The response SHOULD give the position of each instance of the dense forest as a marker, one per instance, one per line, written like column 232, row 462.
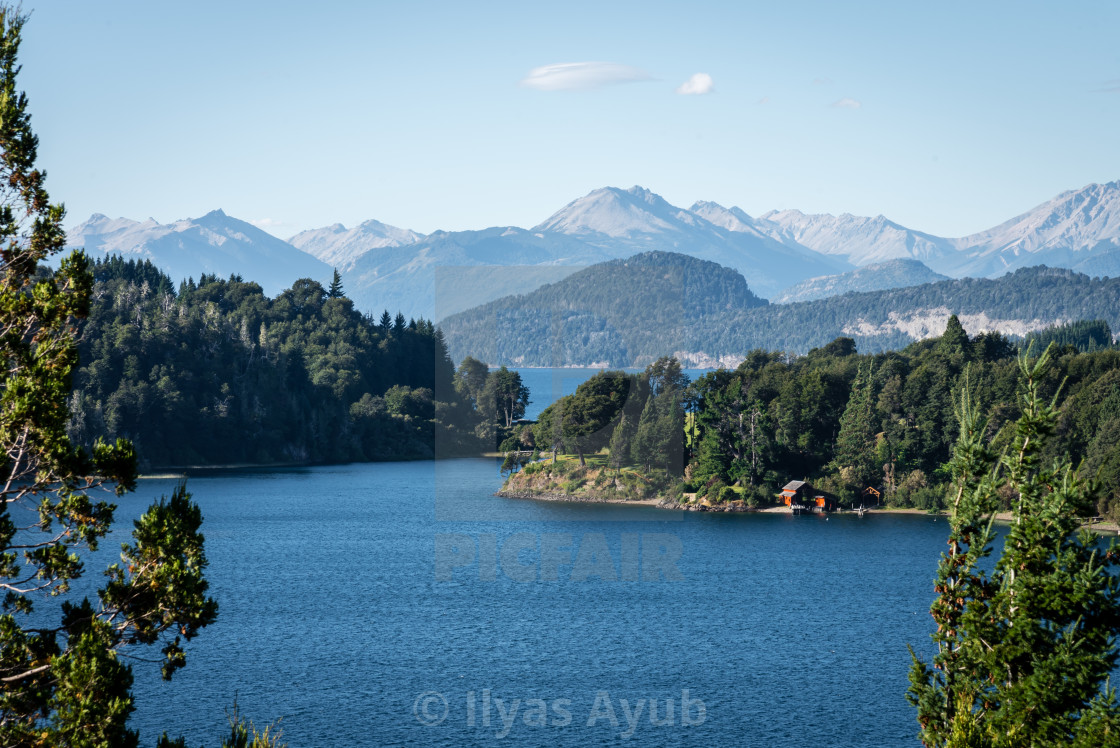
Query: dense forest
column 627, row 313
column 217, row 373
column 842, row 420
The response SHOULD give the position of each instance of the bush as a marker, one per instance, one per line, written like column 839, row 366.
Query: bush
column 711, row 491
column 930, row 498
column 757, row 496
column 726, row 494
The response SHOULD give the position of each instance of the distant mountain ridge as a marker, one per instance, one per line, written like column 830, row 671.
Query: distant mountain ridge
column 341, row 247
column 449, row 271
column 629, row 312
column 1078, row 229
column 879, row 276
column 620, row 222
column 860, row 240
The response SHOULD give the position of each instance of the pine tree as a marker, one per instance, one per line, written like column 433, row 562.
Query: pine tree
column 955, row 340
column 335, row 290
column 1025, row 651
column 65, row 684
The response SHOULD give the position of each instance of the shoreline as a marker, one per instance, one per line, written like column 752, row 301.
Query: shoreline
column 1102, row 528
column 575, row 499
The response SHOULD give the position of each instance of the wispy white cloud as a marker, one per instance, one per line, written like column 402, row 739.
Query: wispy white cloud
column 762, row 101
column 1112, row 86
column 847, row 103
column 822, row 82
column 582, row 76
column 700, row 83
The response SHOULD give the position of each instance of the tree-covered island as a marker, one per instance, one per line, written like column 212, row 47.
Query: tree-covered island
column 859, row 429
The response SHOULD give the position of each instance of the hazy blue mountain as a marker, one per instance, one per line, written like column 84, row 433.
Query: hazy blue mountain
column 878, row 276
column 213, row 244
column 449, row 271
column 423, row 279
column 629, row 312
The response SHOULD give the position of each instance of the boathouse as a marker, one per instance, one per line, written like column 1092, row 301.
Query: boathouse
column 801, row 497
column 795, row 492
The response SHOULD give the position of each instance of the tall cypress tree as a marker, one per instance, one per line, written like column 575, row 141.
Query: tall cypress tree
column 854, row 456
column 620, row 443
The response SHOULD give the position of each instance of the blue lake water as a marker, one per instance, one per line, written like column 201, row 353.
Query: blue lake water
column 352, row 612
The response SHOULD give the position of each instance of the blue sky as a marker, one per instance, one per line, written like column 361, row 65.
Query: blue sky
column 947, row 117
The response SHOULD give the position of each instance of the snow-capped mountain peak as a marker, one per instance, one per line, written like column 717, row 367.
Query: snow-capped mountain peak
column 732, row 219
column 341, row 247
column 215, row 243
column 862, row 240
column 617, row 213
column 1080, row 220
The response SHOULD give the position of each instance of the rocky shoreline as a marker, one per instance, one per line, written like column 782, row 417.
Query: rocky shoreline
column 583, row 498
column 737, row 507
column 658, row 503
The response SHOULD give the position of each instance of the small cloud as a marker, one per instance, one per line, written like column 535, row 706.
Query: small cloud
column 847, row 103
column 582, row 76
column 763, row 101
column 700, row 83
column 1112, row 86
column 822, row 82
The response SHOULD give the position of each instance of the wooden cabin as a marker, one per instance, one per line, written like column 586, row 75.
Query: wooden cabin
column 872, row 494
column 803, row 498
column 794, row 492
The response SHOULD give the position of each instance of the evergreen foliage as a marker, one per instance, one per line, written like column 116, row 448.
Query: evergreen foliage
column 1025, row 650
column 639, row 417
column 846, row 421
column 64, row 682
column 302, row 377
column 335, row 289
column 1087, row 335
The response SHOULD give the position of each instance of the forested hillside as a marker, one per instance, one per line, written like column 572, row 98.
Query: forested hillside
column 615, row 313
column 842, row 420
column 626, row 313
column 846, row 421
column 217, row 373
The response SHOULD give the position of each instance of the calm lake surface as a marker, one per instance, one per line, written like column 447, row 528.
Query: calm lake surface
column 350, row 610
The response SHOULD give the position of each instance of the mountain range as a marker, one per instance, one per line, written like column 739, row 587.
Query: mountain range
column 215, row 244
column 435, row 275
